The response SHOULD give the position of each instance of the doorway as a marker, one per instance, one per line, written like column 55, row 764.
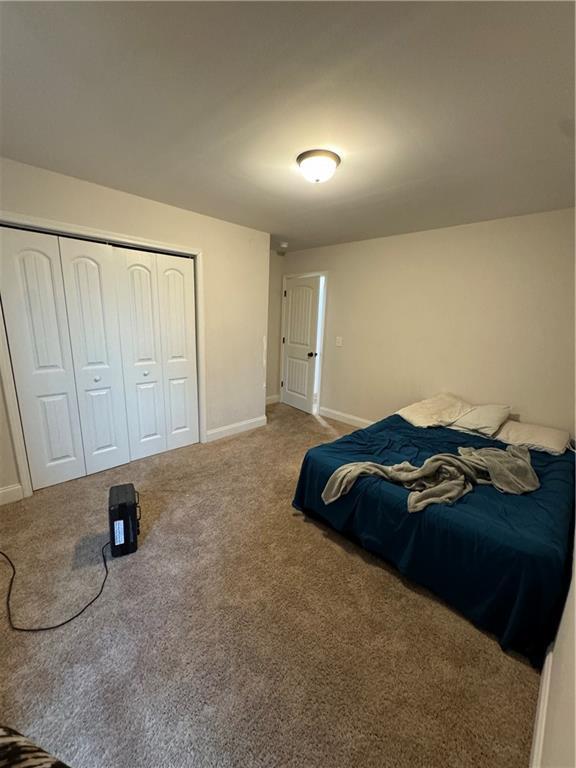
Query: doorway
column 303, row 310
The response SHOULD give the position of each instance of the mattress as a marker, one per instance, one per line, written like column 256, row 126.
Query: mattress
column 503, row 561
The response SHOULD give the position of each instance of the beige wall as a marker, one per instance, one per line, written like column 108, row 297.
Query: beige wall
column 559, row 746
column 482, row 310
column 235, row 262
column 274, row 324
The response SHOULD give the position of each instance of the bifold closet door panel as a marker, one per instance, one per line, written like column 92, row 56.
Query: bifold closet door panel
column 32, row 292
column 90, row 281
column 141, row 351
column 178, row 329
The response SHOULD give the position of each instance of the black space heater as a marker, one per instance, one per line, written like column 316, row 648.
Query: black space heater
column 124, row 516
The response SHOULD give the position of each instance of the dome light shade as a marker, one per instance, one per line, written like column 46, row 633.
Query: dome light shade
column 318, row 165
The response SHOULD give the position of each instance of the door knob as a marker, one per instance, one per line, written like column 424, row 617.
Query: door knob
column 145, row 373
column 96, row 379
column 310, row 354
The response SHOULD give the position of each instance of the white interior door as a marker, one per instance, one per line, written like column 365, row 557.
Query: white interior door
column 90, row 281
column 141, row 351
column 178, row 331
column 32, row 292
column 300, row 342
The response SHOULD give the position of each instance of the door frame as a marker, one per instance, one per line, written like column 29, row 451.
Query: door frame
column 50, row 227
column 13, row 411
column 318, row 361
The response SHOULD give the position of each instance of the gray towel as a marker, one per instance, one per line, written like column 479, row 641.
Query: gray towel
column 446, row 477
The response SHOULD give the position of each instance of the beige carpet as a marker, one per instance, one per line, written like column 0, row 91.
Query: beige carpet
column 240, row 634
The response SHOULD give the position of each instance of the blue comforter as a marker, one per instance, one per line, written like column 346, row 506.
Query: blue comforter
column 503, row 561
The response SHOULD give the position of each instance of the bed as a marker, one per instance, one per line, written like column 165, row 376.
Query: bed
column 503, row 561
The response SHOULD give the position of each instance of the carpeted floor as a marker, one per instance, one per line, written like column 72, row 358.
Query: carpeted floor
column 240, row 634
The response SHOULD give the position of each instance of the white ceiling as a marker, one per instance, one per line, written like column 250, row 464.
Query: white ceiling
column 444, row 113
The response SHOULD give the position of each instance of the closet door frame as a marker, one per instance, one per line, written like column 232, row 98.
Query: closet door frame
column 13, row 413
column 52, row 227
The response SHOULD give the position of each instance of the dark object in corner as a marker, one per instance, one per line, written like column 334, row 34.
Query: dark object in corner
column 18, row 750
column 124, row 515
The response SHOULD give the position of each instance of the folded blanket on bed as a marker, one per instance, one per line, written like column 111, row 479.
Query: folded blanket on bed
column 446, row 477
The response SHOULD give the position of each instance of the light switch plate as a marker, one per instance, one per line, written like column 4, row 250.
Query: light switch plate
column 339, row 341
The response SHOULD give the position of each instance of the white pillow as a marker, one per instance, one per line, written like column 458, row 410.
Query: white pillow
column 437, row 411
column 554, row 441
column 486, row 419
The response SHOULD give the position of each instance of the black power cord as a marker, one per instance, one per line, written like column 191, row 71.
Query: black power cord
column 62, row 623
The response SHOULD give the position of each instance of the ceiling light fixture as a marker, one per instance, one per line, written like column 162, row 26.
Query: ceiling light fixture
column 318, row 165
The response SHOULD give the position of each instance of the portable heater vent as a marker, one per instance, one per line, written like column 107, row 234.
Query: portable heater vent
column 124, row 516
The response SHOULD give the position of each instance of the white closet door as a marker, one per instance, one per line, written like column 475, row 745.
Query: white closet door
column 178, row 328
column 90, row 280
column 141, row 351
column 35, row 313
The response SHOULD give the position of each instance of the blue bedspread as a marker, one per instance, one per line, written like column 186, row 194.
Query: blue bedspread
column 501, row 560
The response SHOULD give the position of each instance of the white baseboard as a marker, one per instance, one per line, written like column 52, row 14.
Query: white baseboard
column 11, row 493
column 346, row 418
column 271, row 399
column 541, row 711
column 235, row 429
